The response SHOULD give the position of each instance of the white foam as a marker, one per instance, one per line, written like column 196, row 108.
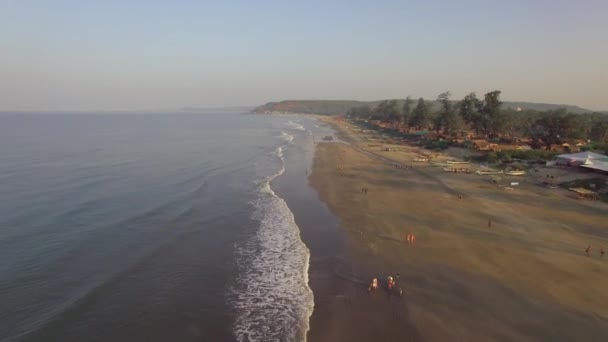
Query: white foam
column 287, row 137
column 271, row 297
column 295, row 125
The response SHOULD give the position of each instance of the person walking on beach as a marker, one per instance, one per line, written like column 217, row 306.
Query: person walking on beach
column 587, row 250
column 602, row 251
column 489, row 223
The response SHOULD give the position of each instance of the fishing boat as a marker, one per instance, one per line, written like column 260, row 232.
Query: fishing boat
column 515, row 173
column 457, row 169
column 488, row 172
column 421, row 160
column 457, row 162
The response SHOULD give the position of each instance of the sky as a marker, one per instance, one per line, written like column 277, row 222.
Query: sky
column 146, row 55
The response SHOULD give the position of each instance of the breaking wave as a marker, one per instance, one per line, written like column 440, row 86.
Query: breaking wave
column 295, row 125
column 286, row 137
column 272, row 299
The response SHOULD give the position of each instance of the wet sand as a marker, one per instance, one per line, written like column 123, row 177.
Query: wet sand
column 525, row 278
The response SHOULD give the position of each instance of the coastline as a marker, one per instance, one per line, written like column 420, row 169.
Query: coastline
column 318, row 227
column 519, row 279
column 336, row 280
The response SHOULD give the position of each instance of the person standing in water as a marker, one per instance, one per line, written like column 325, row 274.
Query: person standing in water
column 390, row 282
column 374, row 285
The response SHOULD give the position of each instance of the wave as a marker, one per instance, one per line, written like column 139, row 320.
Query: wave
column 287, row 137
column 104, row 283
column 271, row 298
column 295, row 125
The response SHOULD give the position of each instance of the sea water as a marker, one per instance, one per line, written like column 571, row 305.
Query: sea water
column 150, row 227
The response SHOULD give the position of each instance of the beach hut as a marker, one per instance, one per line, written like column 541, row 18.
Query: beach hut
column 589, row 160
column 480, row 144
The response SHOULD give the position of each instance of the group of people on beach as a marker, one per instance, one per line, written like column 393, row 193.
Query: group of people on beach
column 602, row 251
column 391, row 284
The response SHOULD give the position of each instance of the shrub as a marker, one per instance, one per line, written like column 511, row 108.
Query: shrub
column 509, row 155
column 435, row 144
column 492, row 157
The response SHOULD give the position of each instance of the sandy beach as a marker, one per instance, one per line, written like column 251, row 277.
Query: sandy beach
column 496, row 265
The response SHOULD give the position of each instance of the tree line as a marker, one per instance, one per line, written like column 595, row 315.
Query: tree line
column 486, row 117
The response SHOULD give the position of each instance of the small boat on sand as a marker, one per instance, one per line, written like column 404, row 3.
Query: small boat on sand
column 421, row 160
column 456, row 162
column 488, row 172
column 515, row 173
column 456, row 169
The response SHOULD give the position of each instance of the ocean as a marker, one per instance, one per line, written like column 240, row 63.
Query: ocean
column 154, row 227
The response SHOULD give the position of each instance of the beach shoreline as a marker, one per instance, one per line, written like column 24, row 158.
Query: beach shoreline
column 495, row 265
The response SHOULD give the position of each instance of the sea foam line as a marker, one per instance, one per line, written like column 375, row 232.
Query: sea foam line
column 272, row 299
column 295, row 125
column 287, row 137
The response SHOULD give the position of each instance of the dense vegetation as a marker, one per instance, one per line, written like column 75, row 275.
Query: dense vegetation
column 333, row 107
column 489, row 118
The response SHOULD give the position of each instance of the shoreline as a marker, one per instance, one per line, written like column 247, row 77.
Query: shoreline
column 517, row 280
column 318, row 227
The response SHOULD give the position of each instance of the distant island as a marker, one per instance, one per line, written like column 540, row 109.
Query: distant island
column 335, row 107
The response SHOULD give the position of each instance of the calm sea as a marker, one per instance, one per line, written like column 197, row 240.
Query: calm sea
column 155, row 227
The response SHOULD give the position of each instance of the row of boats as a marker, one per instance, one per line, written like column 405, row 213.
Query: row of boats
column 500, row 172
column 455, row 166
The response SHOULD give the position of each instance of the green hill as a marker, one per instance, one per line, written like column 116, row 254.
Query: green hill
column 328, row 107
column 334, row 107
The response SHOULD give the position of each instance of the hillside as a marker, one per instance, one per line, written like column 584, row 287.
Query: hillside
column 333, row 107
column 329, row 107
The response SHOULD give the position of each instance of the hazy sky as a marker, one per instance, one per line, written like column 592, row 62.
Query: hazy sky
column 92, row 55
